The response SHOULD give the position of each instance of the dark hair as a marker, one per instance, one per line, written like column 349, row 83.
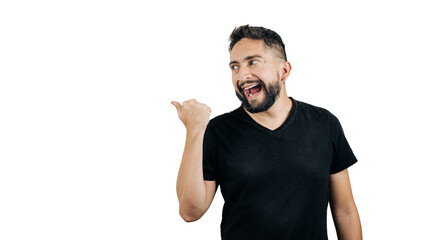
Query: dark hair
column 270, row 37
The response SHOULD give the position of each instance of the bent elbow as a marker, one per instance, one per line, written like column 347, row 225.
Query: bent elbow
column 190, row 214
column 190, row 218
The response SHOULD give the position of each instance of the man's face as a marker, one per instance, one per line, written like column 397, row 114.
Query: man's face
column 256, row 74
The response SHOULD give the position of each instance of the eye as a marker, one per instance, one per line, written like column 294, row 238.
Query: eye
column 252, row 62
column 234, row 67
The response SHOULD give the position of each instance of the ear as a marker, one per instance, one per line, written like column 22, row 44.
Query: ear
column 286, row 70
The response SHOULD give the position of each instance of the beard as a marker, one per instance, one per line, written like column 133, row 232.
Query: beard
column 271, row 93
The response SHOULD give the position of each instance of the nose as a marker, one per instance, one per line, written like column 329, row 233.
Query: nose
column 244, row 74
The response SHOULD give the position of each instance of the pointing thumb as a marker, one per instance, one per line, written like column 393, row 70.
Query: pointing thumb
column 177, row 106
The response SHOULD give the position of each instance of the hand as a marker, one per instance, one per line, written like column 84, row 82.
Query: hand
column 194, row 115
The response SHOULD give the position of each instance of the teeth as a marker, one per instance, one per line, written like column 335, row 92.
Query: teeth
column 246, row 88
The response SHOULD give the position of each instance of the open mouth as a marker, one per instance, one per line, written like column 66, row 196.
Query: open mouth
column 252, row 91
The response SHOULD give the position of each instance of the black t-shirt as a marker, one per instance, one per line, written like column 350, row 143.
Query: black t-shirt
column 275, row 183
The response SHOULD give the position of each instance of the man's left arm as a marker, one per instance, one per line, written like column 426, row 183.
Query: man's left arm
column 343, row 208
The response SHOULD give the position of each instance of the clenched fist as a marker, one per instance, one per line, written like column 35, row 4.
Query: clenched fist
column 194, row 115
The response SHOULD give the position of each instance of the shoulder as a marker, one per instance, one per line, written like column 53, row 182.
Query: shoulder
column 226, row 123
column 313, row 112
column 319, row 117
column 323, row 116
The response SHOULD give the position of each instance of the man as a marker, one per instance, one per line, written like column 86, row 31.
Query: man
column 278, row 160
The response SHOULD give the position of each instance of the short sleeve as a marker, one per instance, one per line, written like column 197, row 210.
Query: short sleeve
column 210, row 154
column 343, row 156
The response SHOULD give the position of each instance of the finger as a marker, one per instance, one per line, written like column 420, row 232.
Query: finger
column 189, row 102
column 177, row 106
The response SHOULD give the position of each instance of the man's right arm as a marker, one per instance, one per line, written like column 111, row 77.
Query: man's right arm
column 195, row 195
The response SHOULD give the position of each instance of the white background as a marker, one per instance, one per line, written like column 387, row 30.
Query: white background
column 90, row 145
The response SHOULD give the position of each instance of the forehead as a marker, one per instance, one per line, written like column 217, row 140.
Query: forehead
column 247, row 47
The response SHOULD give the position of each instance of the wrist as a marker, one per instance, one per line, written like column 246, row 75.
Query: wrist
column 196, row 131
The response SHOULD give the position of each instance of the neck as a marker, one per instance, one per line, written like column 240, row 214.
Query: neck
column 276, row 114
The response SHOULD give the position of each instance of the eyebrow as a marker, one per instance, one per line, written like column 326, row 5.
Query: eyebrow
column 246, row 58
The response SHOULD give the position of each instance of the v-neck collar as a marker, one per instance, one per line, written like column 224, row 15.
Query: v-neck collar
column 285, row 123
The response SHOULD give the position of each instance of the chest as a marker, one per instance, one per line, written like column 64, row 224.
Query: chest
column 252, row 159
